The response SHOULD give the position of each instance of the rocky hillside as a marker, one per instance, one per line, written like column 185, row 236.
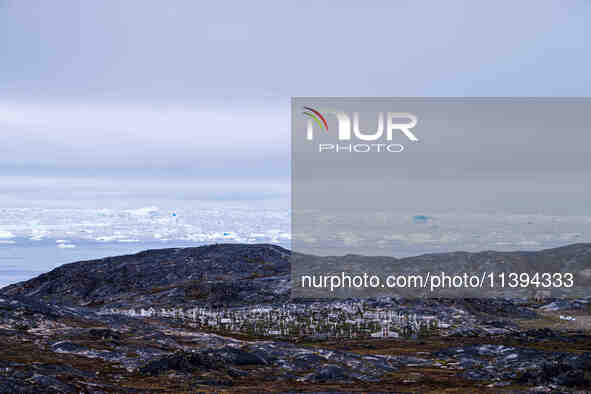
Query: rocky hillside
column 235, row 274
column 574, row 258
column 223, row 274
column 218, row 318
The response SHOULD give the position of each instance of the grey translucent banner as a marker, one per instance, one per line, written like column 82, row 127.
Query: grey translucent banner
column 441, row 197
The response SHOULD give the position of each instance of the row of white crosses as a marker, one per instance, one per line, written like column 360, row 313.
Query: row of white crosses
column 335, row 320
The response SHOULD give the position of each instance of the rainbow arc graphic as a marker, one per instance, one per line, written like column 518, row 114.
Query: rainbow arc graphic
column 316, row 117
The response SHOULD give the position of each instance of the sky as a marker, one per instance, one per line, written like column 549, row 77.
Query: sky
column 126, row 103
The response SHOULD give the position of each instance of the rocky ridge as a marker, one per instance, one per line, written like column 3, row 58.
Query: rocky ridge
column 59, row 332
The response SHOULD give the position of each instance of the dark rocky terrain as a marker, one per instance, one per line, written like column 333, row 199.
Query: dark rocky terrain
column 237, row 274
column 574, row 258
column 230, row 273
column 124, row 324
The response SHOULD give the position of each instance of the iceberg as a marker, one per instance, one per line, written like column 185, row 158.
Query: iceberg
column 6, row 234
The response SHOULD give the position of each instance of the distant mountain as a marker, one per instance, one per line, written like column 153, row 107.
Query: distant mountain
column 232, row 274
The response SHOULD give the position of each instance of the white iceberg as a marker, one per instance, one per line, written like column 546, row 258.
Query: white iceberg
column 6, row 234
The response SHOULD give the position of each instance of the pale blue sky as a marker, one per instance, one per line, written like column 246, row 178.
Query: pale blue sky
column 118, row 92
